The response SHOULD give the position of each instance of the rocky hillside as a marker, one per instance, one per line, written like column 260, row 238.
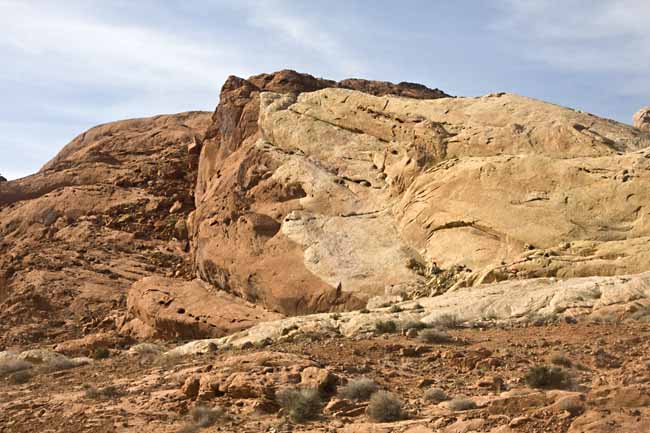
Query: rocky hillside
column 272, row 266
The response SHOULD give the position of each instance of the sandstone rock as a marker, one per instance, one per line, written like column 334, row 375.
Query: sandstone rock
column 641, row 119
column 91, row 222
column 364, row 194
column 86, row 345
column 319, row 378
column 167, row 308
column 191, row 387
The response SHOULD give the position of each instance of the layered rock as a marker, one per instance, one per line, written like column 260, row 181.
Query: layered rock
column 236, row 238
column 107, row 211
column 641, row 119
column 332, row 196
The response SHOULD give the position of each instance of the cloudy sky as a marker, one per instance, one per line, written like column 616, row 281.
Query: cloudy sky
column 68, row 65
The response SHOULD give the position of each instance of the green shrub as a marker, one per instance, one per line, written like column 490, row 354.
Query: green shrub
column 543, row 376
column 359, row 389
column 300, row 404
column 385, row 407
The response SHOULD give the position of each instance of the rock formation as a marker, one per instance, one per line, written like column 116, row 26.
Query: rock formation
column 641, row 119
column 107, row 211
column 316, row 201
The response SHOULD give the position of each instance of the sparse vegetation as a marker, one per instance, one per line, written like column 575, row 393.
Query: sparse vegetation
column 433, row 336
column 300, row 404
column 413, row 324
column 203, row 416
column 542, row 376
column 384, row 407
column 418, row 306
column 364, row 311
column 561, row 359
column 359, row 389
column 395, row 309
column 435, row 395
column 460, row 404
column 447, row 320
column 101, row 353
column 385, row 327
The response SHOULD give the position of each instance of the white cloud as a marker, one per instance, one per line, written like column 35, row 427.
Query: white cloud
column 583, row 36
column 276, row 17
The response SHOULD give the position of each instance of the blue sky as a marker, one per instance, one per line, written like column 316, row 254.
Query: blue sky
column 66, row 66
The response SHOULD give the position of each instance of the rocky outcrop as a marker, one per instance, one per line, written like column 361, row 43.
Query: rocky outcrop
column 166, row 308
column 105, row 212
column 641, row 119
column 607, row 299
column 332, row 196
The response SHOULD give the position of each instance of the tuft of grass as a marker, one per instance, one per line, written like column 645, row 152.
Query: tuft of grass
column 460, row 404
column 359, row 389
column 300, row 404
column 447, row 320
column 203, row 416
column 542, row 376
column 433, row 336
column 435, row 395
column 561, row 360
column 413, row 324
column 101, row 353
column 384, row 407
column 105, row 393
column 385, row 327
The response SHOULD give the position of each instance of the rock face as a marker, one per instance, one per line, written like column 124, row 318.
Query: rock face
column 95, row 219
column 236, row 235
column 314, row 199
column 641, row 119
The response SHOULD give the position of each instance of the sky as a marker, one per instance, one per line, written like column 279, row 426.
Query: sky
column 68, row 65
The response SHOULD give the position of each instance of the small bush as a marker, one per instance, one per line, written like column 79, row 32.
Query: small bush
column 386, row 327
column 433, row 336
column 395, row 309
column 460, row 404
column 359, row 389
column 543, row 376
column 435, row 395
column 449, row 321
column 561, row 359
column 385, row 407
column 101, row 353
column 203, row 416
column 20, row 377
column 106, row 392
column 300, row 404
column 413, row 324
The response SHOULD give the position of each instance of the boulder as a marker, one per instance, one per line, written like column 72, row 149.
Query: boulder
column 641, row 119
column 169, row 308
